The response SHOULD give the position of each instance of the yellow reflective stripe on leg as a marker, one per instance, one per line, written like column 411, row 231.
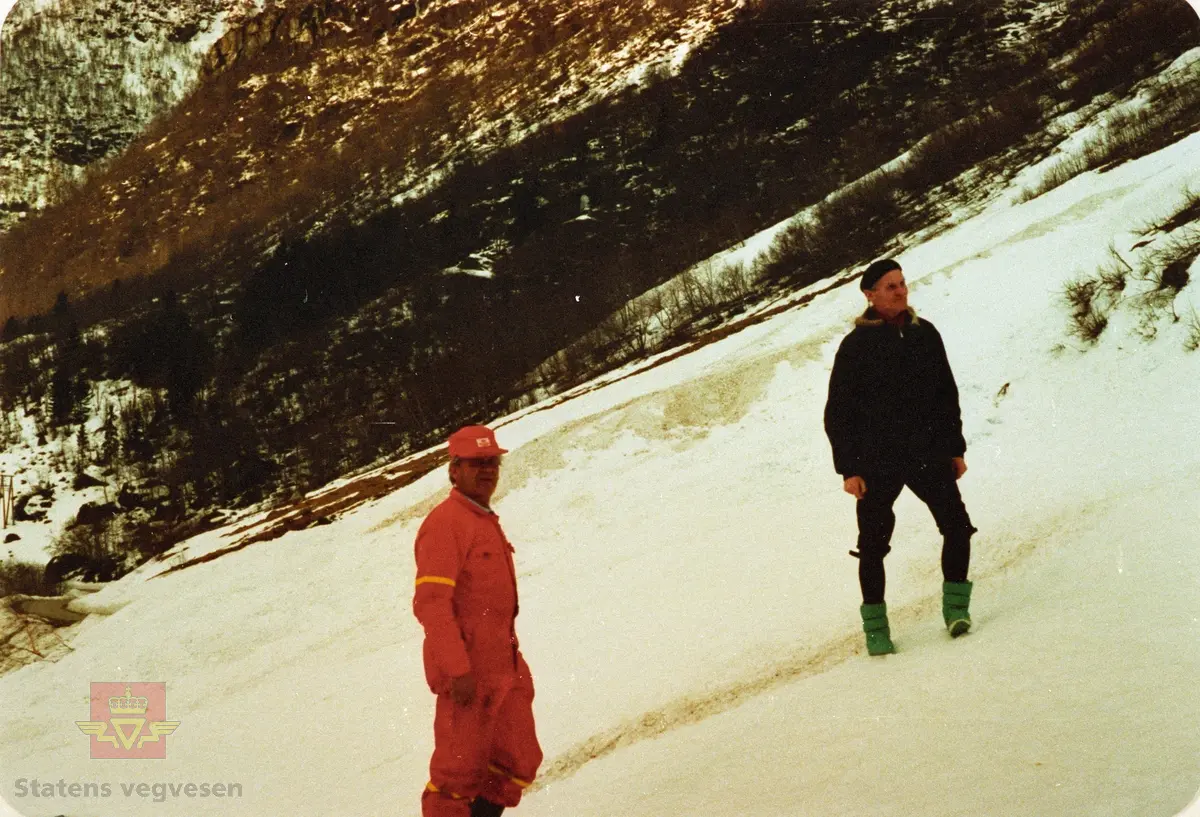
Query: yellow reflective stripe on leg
column 430, row 787
column 522, row 783
column 435, row 580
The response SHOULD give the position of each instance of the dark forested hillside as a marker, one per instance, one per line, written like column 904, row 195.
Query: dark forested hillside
column 359, row 336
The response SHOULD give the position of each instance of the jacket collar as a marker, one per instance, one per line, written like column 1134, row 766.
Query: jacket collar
column 873, row 318
column 466, row 501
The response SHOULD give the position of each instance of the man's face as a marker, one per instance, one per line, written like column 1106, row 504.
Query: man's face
column 476, row 477
column 890, row 295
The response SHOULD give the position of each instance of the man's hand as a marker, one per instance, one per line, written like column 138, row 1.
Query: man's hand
column 462, row 689
column 856, row 487
column 960, row 467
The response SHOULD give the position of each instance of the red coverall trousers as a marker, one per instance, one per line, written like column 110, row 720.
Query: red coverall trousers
column 466, row 600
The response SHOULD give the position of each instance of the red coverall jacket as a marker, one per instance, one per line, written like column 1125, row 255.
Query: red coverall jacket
column 466, row 596
column 466, row 599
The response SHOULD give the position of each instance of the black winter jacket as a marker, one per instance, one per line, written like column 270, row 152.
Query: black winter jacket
column 892, row 398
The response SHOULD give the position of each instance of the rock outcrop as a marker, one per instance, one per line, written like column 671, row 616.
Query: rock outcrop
column 79, row 79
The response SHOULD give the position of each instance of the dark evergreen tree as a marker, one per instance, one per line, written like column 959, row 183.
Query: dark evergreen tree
column 82, row 449
column 68, row 383
column 110, row 445
column 184, row 356
column 12, row 330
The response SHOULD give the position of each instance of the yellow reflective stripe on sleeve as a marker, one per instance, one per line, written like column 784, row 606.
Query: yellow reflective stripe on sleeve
column 522, row 783
column 430, row 787
column 435, row 580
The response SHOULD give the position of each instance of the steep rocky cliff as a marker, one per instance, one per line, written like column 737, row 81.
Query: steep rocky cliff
column 312, row 108
column 79, row 79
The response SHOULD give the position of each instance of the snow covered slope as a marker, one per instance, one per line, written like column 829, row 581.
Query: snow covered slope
column 687, row 604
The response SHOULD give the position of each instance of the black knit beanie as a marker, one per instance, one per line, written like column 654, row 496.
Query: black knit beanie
column 877, row 270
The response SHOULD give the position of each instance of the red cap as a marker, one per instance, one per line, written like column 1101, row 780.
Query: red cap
column 475, row 441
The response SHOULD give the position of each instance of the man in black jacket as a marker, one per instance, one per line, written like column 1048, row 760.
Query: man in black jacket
column 893, row 420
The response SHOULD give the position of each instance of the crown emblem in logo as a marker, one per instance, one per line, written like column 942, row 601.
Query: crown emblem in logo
column 482, row 442
column 134, row 727
column 128, row 704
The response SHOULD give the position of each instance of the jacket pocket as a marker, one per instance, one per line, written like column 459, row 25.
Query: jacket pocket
column 487, row 574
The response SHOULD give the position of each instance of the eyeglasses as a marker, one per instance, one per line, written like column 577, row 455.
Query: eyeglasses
column 480, row 462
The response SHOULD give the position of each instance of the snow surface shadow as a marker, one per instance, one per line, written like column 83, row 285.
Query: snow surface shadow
column 795, row 666
column 680, row 416
column 704, row 339
column 695, row 708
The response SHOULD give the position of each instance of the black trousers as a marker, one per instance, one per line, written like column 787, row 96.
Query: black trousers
column 935, row 485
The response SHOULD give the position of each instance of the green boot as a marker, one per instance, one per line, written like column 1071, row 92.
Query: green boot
column 956, row 598
column 875, row 625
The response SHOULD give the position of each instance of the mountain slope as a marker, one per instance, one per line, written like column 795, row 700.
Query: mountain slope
column 687, row 605
column 80, row 79
column 289, row 346
column 335, row 111
column 339, row 107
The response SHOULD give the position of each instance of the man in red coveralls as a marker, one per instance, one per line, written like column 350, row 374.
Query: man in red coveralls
column 486, row 750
